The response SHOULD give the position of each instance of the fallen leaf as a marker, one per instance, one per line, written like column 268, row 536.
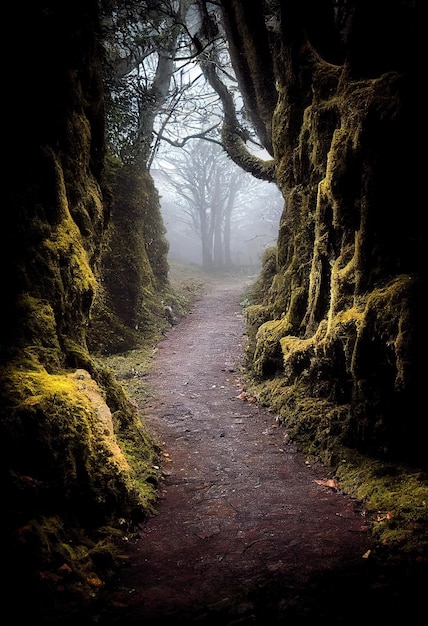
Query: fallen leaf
column 381, row 517
column 94, row 581
column 330, row 482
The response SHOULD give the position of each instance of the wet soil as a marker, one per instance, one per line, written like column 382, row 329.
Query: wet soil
column 248, row 530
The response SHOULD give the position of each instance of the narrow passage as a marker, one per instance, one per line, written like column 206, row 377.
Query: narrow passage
column 244, row 533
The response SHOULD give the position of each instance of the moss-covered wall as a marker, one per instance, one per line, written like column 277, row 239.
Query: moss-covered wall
column 133, row 274
column 69, row 435
column 336, row 336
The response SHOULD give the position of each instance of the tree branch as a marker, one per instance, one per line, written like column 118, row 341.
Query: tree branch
column 233, row 136
column 182, row 142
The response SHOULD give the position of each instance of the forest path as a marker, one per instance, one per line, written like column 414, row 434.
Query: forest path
column 244, row 532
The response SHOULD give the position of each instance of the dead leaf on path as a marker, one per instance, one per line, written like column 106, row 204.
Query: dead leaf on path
column 244, row 396
column 94, row 581
column 330, row 482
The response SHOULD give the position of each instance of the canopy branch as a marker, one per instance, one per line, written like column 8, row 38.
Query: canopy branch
column 202, row 135
column 234, row 137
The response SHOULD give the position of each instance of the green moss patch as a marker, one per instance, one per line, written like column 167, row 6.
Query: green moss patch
column 395, row 497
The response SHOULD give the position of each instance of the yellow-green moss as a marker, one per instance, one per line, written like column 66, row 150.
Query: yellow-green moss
column 259, row 290
column 395, row 497
column 38, row 336
column 267, row 356
column 388, row 318
column 61, row 429
column 129, row 307
column 320, row 121
column 293, row 345
column 66, row 242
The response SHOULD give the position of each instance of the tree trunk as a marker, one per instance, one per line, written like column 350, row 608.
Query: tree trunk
column 226, row 235
column 218, row 239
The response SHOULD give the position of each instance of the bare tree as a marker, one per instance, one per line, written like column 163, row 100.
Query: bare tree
column 215, row 199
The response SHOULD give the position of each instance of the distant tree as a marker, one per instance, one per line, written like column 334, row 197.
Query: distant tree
column 212, row 196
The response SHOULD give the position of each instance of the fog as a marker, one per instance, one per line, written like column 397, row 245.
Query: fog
column 203, row 193
column 249, row 238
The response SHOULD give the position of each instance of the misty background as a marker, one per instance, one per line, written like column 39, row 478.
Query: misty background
column 165, row 113
column 215, row 214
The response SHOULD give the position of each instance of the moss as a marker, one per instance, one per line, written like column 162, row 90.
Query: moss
column 255, row 316
column 320, row 121
column 335, row 268
column 71, row 470
column 257, row 308
column 388, row 318
column 396, row 499
column 297, row 355
column 64, row 566
column 238, row 152
column 107, row 333
column 63, row 249
column 133, row 275
column 340, row 363
column 259, row 291
column 60, row 433
column 387, row 380
column 38, row 335
column 65, row 242
column 267, row 356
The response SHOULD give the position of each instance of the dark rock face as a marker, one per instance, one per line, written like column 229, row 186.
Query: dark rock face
column 343, row 316
column 54, row 219
column 61, row 469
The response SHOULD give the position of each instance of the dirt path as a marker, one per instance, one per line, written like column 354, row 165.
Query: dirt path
column 244, row 534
